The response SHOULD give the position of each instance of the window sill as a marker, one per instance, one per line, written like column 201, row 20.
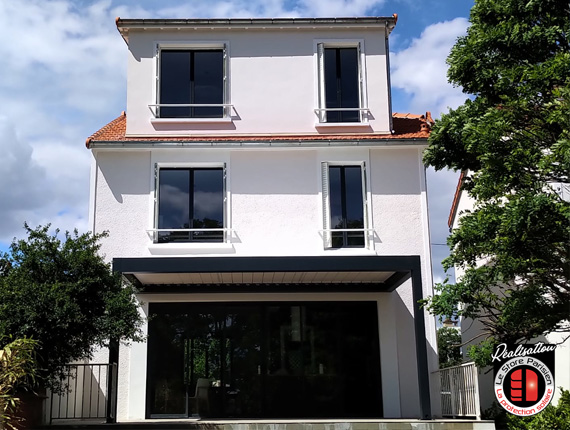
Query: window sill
column 190, row 120
column 342, row 124
column 349, row 251
column 190, row 248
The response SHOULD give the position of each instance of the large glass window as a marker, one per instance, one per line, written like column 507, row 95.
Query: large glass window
column 191, row 77
column 342, row 84
column 344, row 208
column 190, row 199
column 264, row 360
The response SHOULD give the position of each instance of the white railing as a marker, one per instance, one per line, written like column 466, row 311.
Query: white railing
column 362, row 113
column 460, row 391
column 89, row 393
column 207, row 234
column 155, row 109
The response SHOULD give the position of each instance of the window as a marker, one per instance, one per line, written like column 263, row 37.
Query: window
column 190, row 205
column 344, row 206
column 340, row 86
column 193, row 79
column 264, row 360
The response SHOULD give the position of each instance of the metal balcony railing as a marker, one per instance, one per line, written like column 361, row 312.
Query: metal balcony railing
column 460, row 391
column 90, row 393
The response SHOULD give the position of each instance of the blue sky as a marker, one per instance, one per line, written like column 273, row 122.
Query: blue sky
column 63, row 68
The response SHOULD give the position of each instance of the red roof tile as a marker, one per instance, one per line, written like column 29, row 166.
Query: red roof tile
column 455, row 203
column 406, row 127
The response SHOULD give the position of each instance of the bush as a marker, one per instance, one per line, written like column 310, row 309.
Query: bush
column 551, row 418
column 18, row 368
column 59, row 290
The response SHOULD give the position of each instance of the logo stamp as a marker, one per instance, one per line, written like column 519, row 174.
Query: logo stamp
column 524, row 377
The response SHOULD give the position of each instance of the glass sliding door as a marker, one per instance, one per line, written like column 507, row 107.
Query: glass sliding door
column 264, row 360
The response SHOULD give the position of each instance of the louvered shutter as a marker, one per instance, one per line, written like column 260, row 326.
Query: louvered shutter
column 321, row 83
column 365, row 205
column 361, row 114
column 226, row 88
column 156, row 110
column 226, row 237
column 156, row 214
column 327, row 236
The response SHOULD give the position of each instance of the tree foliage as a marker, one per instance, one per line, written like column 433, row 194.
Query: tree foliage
column 551, row 418
column 60, row 292
column 448, row 347
column 512, row 141
column 18, row 369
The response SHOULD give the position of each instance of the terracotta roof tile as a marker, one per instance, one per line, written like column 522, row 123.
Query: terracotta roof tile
column 455, row 204
column 406, row 126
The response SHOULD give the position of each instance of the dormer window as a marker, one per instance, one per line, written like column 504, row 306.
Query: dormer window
column 192, row 83
column 341, row 84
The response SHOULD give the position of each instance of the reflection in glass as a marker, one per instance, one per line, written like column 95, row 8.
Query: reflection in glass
column 191, row 198
column 342, row 84
column 191, row 77
column 346, row 205
column 272, row 360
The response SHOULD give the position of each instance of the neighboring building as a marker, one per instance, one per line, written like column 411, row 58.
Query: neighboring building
column 273, row 213
column 470, row 328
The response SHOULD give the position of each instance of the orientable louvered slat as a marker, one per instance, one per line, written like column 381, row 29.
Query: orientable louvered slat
column 327, row 240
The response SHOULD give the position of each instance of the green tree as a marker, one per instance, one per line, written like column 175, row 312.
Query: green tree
column 60, row 292
column 551, row 418
column 511, row 139
column 448, row 347
column 18, row 369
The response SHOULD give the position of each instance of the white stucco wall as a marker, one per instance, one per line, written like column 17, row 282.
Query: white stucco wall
column 274, row 201
column 275, row 209
column 272, row 79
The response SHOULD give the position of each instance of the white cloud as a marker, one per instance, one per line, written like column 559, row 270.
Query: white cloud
column 421, row 72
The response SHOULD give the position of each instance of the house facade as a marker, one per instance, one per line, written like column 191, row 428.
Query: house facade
column 272, row 212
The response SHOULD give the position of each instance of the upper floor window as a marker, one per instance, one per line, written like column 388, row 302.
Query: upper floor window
column 344, row 206
column 341, row 92
column 192, row 83
column 190, row 205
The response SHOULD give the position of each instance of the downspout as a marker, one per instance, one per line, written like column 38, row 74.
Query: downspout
column 387, row 48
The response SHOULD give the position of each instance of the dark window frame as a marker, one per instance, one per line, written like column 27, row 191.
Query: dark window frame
column 192, row 113
column 190, row 237
column 342, row 117
column 344, row 239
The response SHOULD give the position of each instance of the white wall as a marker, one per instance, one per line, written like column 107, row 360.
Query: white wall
column 273, row 79
column 275, row 209
column 274, row 197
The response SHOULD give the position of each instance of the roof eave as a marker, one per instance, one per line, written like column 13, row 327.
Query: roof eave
column 124, row 25
column 298, row 143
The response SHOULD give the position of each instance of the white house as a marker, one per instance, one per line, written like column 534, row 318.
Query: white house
column 272, row 212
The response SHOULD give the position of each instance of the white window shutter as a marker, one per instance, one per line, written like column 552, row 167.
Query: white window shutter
column 327, row 236
column 365, row 205
column 157, row 82
column 226, row 237
column 226, row 97
column 321, row 83
column 156, row 215
column 361, row 114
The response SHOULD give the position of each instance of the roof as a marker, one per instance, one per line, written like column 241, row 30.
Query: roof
column 455, row 203
column 406, row 127
column 124, row 25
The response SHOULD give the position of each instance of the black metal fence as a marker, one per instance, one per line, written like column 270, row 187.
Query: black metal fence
column 90, row 394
